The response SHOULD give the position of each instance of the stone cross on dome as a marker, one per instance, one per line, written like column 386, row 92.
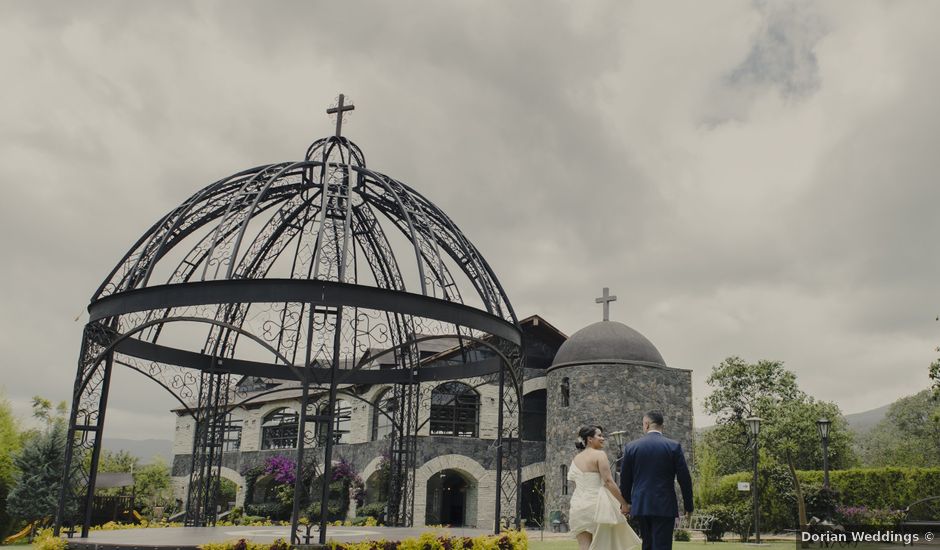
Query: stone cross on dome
column 606, row 299
column 338, row 111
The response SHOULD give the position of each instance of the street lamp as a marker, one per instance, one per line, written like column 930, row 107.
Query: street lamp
column 753, row 427
column 823, row 425
column 618, row 441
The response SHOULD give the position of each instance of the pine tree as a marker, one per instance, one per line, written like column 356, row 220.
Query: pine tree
column 35, row 494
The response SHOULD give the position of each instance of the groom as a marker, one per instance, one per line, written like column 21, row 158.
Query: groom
column 648, row 472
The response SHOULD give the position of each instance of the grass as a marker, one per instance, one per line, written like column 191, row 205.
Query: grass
column 570, row 544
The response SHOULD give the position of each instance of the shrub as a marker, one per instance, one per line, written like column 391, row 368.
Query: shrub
column 335, row 512
column 250, row 520
column 272, row 510
column 374, row 509
column 741, row 520
column 242, row 544
column 681, row 535
column 45, row 540
column 736, row 518
column 820, row 502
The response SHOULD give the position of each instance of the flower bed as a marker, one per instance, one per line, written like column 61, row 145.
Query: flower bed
column 509, row 540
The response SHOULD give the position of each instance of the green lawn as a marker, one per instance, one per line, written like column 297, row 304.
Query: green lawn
column 565, row 544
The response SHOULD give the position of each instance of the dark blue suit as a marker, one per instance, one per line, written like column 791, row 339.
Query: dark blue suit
column 648, row 472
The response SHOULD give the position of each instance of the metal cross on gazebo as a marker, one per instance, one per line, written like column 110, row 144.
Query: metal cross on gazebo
column 338, row 111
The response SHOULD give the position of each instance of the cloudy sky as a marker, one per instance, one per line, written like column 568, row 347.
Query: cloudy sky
column 750, row 178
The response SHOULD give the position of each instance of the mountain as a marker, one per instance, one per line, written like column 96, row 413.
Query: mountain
column 144, row 449
column 859, row 422
column 866, row 420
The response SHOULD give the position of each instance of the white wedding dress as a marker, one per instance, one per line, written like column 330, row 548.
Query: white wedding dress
column 596, row 511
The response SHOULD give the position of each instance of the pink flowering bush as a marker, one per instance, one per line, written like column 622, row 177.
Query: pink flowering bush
column 863, row 515
column 282, row 468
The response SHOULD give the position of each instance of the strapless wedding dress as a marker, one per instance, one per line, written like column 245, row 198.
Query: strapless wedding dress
column 596, row 511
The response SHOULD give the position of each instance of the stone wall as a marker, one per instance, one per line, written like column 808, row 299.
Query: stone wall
column 361, row 452
column 615, row 396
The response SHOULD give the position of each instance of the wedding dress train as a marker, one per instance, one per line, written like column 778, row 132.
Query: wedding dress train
column 596, row 511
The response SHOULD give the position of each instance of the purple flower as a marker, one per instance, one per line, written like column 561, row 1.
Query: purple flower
column 282, row 468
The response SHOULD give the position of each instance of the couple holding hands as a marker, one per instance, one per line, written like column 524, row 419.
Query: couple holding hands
column 648, row 471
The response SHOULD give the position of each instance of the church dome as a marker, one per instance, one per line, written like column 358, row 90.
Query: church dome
column 605, row 342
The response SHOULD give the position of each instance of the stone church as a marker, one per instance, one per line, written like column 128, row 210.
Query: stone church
column 606, row 373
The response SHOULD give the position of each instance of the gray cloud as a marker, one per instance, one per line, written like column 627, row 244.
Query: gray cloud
column 749, row 178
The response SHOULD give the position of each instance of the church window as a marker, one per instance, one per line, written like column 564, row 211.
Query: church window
column 533, row 416
column 381, row 423
column 455, row 410
column 227, row 435
column 232, row 434
column 342, row 420
column 565, row 391
column 279, row 430
column 564, row 478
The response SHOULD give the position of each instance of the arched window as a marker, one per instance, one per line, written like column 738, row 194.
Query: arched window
column 455, row 410
column 565, row 391
column 342, row 421
column 279, row 430
column 381, row 423
column 533, row 415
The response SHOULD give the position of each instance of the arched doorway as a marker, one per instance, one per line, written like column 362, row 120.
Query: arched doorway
column 533, row 501
column 451, row 500
column 377, row 487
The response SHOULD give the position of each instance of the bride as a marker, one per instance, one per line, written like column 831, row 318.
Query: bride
column 595, row 516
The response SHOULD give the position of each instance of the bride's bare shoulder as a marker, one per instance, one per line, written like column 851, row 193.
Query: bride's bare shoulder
column 599, row 453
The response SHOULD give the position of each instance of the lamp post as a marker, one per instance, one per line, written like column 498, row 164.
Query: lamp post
column 753, row 427
column 618, row 441
column 823, row 425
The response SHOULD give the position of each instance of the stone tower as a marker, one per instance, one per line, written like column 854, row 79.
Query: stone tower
column 608, row 374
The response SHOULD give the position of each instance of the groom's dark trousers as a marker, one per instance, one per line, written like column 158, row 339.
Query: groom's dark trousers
column 648, row 472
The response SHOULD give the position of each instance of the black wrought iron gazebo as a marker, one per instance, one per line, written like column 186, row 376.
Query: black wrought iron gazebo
column 304, row 271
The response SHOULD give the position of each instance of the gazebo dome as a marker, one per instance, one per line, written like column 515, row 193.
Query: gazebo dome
column 608, row 342
column 326, row 217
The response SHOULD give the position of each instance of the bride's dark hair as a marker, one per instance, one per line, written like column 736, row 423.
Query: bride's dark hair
column 583, row 434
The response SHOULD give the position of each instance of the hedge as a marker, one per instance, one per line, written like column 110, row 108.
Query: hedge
column 874, row 488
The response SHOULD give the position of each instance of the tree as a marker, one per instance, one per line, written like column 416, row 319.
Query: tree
column 909, row 434
column 788, row 418
column 935, row 377
column 152, row 485
column 114, row 461
column 50, row 415
column 35, row 494
column 742, row 389
column 791, row 425
column 934, row 373
column 39, row 464
column 9, row 446
column 118, row 461
column 705, row 470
